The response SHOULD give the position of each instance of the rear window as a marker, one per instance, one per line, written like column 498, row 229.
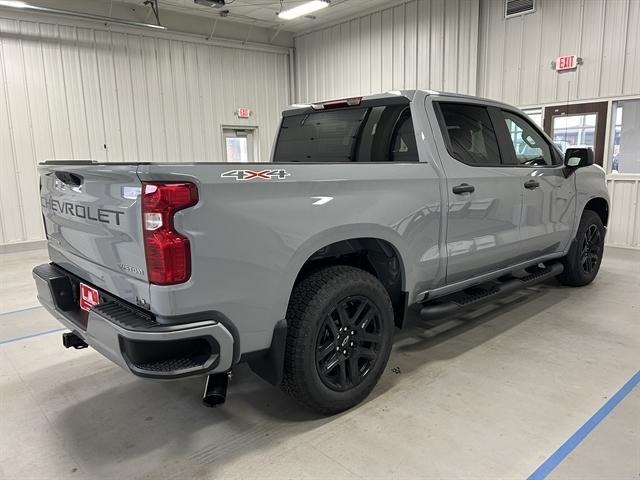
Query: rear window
column 469, row 134
column 362, row 134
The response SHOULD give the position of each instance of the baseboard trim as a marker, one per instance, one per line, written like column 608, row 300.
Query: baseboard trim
column 624, row 247
column 23, row 246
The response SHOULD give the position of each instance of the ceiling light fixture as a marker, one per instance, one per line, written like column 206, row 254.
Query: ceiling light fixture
column 13, row 4
column 210, row 3
column 54, row 11
column 304, row 9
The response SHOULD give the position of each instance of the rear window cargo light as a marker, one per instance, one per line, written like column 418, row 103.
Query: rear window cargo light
column 340, row 103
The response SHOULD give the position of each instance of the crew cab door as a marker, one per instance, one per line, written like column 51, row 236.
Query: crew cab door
column 549, row 194
column 484, row 196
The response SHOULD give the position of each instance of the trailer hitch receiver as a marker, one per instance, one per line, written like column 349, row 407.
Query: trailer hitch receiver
column 70, row 339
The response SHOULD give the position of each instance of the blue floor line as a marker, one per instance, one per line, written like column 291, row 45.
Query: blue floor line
column 22, row 309
column 567, row 447
column 25, row 337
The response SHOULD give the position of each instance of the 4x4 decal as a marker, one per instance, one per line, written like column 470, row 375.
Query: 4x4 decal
column 279, row 174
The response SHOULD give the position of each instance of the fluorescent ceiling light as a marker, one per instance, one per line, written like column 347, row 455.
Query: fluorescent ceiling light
column 304, row 9
column 13, row 4
column 90, row 16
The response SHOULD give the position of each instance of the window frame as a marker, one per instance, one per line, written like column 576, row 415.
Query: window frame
column 509, row 147
column 369, row 104
column 535, row 111
column 505, row 146
column 447, row 140
column 403, row 116
column 614, row 104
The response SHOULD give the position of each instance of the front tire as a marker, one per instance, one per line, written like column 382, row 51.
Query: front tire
column 339, row 337
column 582, row 263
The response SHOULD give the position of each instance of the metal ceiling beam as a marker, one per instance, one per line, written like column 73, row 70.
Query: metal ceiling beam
column 70, row 13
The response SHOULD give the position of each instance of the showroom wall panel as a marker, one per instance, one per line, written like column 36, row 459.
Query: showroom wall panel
column 75, row 92
column 515, row 58
column 624, row 223
column 428, row 44
column 516, row 53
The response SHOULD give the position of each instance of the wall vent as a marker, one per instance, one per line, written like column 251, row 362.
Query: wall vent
column 513, row 8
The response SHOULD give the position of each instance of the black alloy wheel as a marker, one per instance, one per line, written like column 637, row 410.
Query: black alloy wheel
column 582, row 262
column 348, row 343
column 340, row 325
column 591, row 248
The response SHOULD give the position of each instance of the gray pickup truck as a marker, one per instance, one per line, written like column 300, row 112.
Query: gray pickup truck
column 372, row 208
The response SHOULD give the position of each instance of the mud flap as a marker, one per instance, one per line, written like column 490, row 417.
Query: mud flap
column 270, row 366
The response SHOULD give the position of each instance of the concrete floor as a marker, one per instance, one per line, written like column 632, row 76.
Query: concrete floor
column 489, row 395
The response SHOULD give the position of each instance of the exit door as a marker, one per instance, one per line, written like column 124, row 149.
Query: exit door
column 578, row 125
column 239, row 145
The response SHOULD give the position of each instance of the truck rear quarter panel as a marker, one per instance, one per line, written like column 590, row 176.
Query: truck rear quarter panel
column 250, row 238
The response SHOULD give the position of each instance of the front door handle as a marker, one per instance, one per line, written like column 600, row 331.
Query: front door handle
column 463, row 188
column 531, row 184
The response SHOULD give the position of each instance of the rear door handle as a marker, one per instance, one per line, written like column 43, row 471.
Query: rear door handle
column 531, row 184
column 464, row 188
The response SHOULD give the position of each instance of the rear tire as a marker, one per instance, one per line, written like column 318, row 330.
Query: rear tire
column 582, row 263
column 339, row 336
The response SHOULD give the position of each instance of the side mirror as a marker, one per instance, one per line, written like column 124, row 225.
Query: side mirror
column 578, row 157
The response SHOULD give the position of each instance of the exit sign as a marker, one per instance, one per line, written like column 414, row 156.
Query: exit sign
column 566, row 62
column 243, row 112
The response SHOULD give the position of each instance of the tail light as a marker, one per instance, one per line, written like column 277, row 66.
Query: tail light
column 168, row 253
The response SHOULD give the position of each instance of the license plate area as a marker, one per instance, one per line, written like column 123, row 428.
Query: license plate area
column 89, row 297
column 74, row 311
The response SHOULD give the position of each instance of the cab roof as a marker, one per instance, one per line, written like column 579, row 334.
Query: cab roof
column 394, row 96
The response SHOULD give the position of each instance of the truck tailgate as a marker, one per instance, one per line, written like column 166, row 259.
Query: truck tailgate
column 93, row 223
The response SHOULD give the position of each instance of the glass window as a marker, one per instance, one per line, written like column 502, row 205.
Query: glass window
column 237, row 149
column 625, row 157
column 535, row 114
column 574, row 131
column 469, row 134
column 529, row 146
column 403, row 143
column 367, row 134
column 238, row 144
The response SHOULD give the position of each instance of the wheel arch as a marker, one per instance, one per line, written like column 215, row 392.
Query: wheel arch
column 600, row 206
column 341, row 244
column 371, row 247
column 377, row 256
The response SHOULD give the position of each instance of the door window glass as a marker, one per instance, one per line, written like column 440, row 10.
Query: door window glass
column 469, row 134
column 403, row 142
column 237, row 149
column 238, row 145
column 574, row 131
column 625, row 157
column 529, row 146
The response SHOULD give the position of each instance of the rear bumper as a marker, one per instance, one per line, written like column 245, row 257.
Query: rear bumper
column 131, row 337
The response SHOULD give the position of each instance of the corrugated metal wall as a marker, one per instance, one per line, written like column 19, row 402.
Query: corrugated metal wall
column 432, row 44
column 428, row 44
column 515, row 67
column 624, row 220
column 69, row 92
column 516, row 54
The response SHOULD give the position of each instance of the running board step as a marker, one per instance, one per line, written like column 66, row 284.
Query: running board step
column 476, row 296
